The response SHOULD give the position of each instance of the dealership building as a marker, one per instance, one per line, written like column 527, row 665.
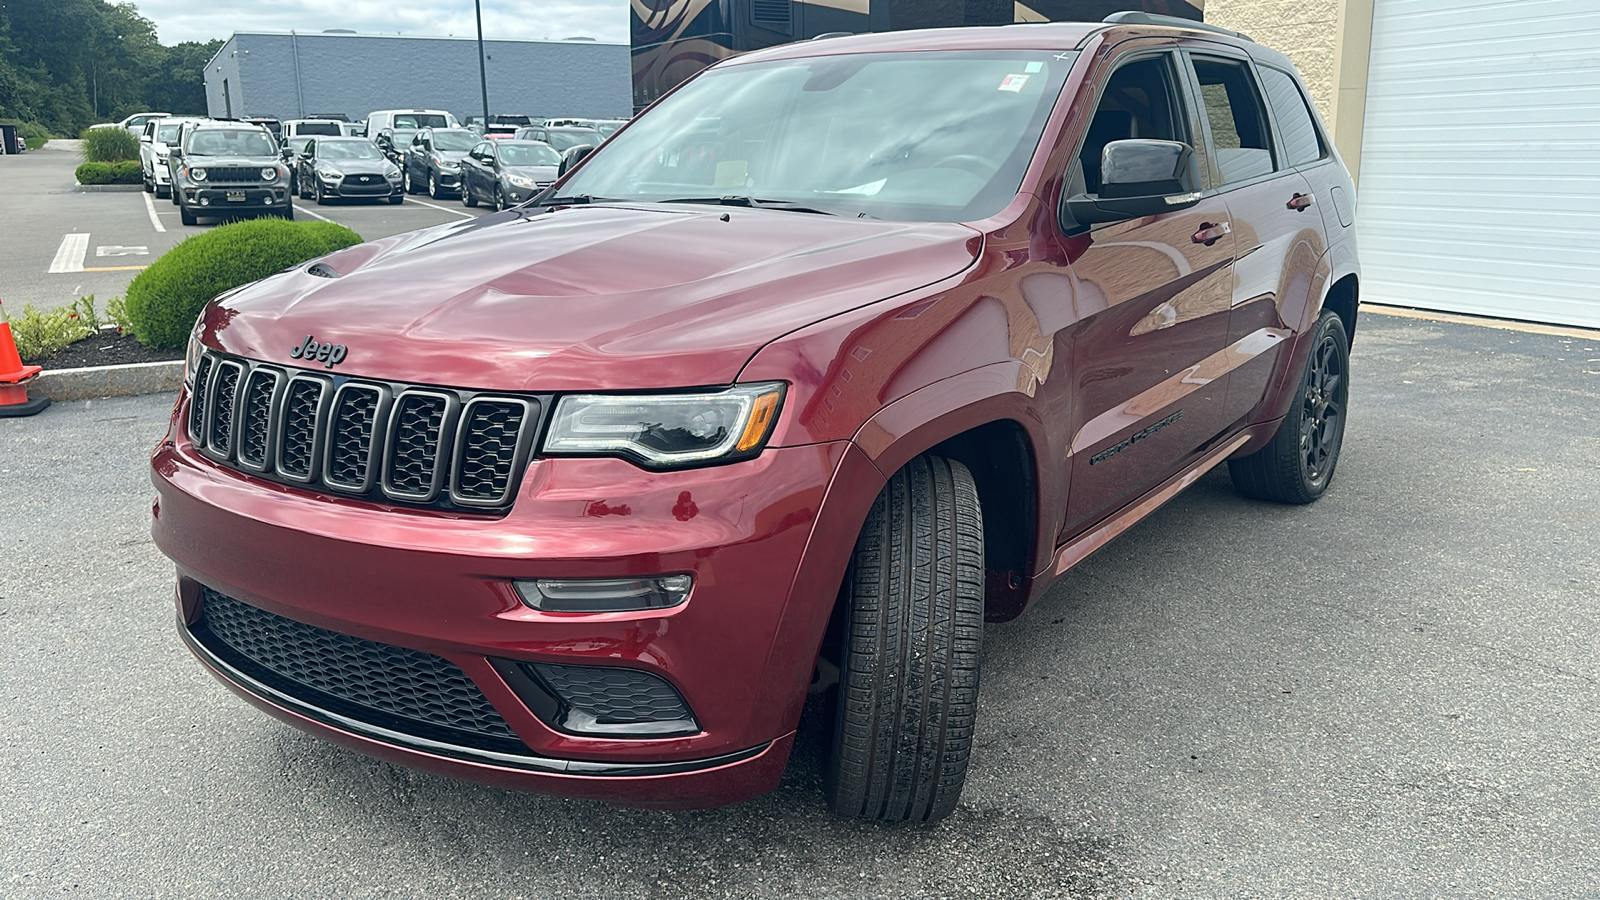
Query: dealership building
column 291, row 75
column 1473, row 128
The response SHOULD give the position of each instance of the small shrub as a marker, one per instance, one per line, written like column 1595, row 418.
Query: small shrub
column 40, row 334
column 166, row 298
column 95, row 173
column 117, row 312
column 83, row 309
column 127, row 172
column 109, row 145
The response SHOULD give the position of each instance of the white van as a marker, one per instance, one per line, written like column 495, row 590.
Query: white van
column 410, row 119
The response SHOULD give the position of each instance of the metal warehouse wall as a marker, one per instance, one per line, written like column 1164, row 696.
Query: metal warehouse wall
column 291, row 75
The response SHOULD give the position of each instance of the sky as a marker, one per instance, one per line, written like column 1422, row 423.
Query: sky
column 203, row 20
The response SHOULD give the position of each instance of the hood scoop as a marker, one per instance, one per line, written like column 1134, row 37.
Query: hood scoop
column 322, row 270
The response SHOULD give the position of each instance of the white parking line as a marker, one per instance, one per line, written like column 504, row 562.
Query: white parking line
column 454, row 212
column 314, row 215
column 69, row 258
column 150, row 208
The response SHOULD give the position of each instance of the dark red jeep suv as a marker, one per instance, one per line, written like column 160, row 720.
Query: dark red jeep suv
column 838, row 351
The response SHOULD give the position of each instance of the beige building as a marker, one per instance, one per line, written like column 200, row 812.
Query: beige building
column 1473, row 128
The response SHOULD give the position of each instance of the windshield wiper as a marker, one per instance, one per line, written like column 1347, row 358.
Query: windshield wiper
column 754, row 203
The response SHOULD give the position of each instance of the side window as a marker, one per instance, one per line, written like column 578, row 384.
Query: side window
column 1242, row 145
column 1139, row 101
column 1301, row 142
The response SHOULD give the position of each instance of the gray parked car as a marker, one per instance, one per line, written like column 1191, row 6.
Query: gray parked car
column 227, row 168
column 432, row 165
column 340, row 168
column 504, row 173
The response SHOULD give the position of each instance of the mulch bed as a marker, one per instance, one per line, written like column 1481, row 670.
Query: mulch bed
column 106, row 349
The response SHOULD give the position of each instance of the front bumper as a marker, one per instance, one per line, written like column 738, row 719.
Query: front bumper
column 739, row 651
column 352, row 188
column 204, row 198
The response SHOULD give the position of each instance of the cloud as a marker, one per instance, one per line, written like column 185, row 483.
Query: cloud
column 203, row 20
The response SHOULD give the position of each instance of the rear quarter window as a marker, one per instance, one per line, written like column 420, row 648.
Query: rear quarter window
column 1301, row 142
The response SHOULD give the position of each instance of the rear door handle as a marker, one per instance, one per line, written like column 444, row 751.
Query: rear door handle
column 1301, row 202
column 1209, row 234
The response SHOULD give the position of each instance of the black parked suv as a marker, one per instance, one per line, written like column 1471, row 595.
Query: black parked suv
column 227, row 168
column 432, row 164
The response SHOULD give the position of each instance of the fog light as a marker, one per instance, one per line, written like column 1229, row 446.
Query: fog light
column 591, row 595
column 267, row 200
column 205, row 201
column 600, row 700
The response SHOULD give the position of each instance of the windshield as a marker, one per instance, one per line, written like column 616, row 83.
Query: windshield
column 403, row 136
column 455, row 140
column 231, row 142
column 509, row 120
column 420, row 120
column 318, row 128
column 924, row 136
column 166, row 134
column 348, row 150
column 530, row 154
column 564, row 140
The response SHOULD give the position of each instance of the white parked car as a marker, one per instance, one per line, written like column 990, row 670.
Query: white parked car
column 134, row 123
column 410, row 119
column 155, row 143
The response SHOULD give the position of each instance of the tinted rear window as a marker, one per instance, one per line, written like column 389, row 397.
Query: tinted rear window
column 331, row 128
column 1301, row 143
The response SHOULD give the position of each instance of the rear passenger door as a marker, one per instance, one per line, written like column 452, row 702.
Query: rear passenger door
column 1277, row 230
column 1152, row 296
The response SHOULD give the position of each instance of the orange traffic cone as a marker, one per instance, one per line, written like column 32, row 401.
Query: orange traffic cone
column 14, row 376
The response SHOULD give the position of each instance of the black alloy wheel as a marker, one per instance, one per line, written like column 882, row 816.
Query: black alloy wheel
column 1297, row 465
column 499, row 198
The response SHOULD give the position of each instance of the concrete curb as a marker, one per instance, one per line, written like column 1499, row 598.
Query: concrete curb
column 108, row 188
column 108, row 381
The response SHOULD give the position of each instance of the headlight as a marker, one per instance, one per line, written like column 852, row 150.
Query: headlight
column 392, row 172
column 191, row 358
column 329, row 175
column 196, row 174
column 448, row 166
column 667, row 431
column 520, row 181
column 269, row 174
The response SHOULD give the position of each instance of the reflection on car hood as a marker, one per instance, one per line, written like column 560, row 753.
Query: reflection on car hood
column 537, row 173
column 586, row 297
column 356, row 166
column 258, row 162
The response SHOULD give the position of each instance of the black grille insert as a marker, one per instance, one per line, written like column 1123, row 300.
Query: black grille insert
column 392, row 687
column 615, row 701
column 382, row 441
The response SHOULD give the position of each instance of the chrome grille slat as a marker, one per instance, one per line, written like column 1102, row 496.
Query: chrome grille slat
column 375, row 440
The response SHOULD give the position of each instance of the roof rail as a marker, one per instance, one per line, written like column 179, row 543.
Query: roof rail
column 1144, row 18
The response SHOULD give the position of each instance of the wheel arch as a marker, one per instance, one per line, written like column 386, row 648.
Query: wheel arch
column 984, row 421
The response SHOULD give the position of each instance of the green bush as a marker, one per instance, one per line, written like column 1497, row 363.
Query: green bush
column 165, row 299
column 110, row 173
column 95, row 173
column 108, row 145
column 40, row 334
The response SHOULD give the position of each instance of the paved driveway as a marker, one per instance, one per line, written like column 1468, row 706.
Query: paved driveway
column 1390, row 693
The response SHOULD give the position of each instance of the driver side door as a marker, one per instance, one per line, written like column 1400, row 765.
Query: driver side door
column 1153, row 296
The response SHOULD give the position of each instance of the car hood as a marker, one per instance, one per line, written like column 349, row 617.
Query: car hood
column 584, row 297
column 357, row 166
column 540, row 174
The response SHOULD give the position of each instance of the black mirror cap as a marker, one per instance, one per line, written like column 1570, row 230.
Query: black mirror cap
column 573, row 156
column 1146, row 168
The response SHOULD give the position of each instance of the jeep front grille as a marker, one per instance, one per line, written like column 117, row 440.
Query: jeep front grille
column 233, row 174
column 380, row 441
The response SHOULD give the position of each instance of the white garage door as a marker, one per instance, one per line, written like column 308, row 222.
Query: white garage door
column 1480, row 164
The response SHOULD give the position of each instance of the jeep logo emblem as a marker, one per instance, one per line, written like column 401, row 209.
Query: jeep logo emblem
column 329, row 355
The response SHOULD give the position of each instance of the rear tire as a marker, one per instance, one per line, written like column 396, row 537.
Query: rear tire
column 908, row 681
column 1297, row 466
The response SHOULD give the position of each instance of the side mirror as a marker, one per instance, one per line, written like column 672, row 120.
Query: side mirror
column 175, row 153
column 144, row 138
column 1138, row 177
column 573, row 156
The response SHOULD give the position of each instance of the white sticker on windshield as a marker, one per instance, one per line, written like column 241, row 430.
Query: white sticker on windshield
column 1034, row 67
column 1013, row 83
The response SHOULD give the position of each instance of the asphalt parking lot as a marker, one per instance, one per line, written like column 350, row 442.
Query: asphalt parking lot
column 61, row 243
column 1390, row 693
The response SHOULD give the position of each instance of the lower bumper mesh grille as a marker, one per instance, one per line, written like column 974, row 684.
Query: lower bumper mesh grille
column 392, row 687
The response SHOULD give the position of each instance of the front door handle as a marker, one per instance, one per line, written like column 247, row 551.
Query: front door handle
column 1209, row 234
column 1301, row 202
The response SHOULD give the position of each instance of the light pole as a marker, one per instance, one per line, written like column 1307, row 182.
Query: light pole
column 483, row 74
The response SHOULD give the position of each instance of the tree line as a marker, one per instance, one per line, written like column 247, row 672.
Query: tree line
column 69, row 64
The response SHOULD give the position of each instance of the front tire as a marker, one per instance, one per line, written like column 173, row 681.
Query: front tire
column 188, row 217
column 433, row 187
column 913, row 625
column 409, row 185
column 316, row 193
column 468, row 198
column 1297, row 466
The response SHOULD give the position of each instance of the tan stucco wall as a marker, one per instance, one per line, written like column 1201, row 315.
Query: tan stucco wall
column 1304, row 30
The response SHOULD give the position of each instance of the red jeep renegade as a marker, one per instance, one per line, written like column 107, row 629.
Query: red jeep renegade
column 838, row 351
